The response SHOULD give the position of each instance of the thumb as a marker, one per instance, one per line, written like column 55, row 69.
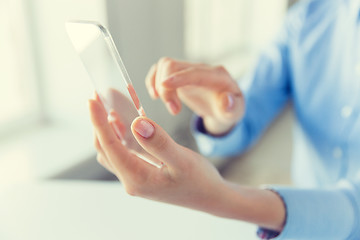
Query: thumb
column 155, row 140
column 232, row 106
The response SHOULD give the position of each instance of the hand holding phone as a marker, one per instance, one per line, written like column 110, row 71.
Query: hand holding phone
column 96, row 48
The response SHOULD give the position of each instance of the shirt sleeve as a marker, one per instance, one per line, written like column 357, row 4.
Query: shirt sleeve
column 267, row 89
column 322, row 214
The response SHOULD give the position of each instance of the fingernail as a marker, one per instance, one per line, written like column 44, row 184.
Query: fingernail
column 172, row 106
column 144, row 128
column 230, row 102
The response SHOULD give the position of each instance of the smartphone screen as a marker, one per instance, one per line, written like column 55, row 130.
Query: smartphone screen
column 95, row 46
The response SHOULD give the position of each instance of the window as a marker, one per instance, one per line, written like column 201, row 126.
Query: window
column 41, row 78
column 18, row 103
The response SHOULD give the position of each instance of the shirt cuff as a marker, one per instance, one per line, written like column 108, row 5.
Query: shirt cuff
column 316, row 214
column 230, row 144
column 267, row 234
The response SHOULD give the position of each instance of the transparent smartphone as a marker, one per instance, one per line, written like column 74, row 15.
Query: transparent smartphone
column 95, row 46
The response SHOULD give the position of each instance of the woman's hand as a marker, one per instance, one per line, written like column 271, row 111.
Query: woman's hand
column 208, row 91
column 186, row 178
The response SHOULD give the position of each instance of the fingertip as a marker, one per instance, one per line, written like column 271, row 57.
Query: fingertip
column 91, row 103
column 98, row 114
column 173, row 107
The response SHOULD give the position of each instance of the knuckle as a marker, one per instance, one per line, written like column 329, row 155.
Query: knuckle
column 110, row 143
column 162, row 143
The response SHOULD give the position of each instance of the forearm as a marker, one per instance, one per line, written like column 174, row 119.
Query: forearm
column 262, row 207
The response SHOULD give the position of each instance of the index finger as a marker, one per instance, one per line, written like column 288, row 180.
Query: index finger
column 216, row 78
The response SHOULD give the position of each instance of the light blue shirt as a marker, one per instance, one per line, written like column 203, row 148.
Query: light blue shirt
column 315, row 63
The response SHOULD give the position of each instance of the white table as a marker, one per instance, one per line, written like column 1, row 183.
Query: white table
column 69, row 210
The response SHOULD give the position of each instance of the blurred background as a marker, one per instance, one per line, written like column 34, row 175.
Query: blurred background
column 45, row 131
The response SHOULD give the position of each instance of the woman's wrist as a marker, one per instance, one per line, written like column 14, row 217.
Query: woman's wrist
column 217, row 128
column 259, row 206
